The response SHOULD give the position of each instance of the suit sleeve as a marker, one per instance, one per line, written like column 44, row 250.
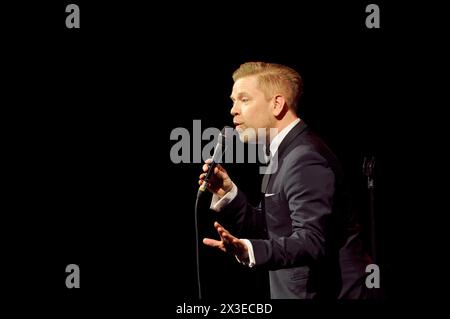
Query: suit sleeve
column 308, row 189
column 242, row 219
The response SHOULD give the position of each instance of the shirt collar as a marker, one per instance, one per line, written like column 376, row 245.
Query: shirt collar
column 281, row 135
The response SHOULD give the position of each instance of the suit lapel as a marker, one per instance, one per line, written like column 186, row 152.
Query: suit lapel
column 296, row 130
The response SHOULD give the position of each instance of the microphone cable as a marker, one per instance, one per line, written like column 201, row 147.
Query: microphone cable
column 197, row 246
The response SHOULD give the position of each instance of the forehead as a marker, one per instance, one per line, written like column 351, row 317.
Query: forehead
column 248, row 84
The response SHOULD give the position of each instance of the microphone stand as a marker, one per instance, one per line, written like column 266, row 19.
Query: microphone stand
column 368, row 168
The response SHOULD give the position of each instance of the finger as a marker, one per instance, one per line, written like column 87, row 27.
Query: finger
column 206, row 165
column 219, row 231
column 220, row 172
column 227, row 236
column 218, row 168
column 212, row 243
column 202, row 176
column 219, row 228
column 223, row 233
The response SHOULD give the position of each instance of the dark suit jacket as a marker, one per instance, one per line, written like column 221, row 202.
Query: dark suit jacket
column 304, row 231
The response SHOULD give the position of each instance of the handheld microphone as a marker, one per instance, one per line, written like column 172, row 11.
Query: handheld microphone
column 219, row 150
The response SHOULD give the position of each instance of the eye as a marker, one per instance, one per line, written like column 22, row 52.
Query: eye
column 244, row 99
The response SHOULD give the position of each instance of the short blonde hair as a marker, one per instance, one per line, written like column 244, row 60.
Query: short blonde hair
column 274, row 78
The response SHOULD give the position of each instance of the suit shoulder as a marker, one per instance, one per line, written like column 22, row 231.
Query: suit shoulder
column 309, row 148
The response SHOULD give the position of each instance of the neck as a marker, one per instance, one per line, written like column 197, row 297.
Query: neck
column 285, row 121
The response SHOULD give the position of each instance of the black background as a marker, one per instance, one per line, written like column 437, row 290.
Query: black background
column 89, row 117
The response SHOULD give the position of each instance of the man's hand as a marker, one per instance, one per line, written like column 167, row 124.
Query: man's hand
column 228, row 243
column 219, row 183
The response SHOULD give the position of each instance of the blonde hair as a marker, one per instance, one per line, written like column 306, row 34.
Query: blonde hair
column 274, row 78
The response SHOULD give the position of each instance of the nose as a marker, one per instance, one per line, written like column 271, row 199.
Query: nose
column 234, row 109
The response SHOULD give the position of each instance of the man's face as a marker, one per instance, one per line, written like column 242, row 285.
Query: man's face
column 251, row 110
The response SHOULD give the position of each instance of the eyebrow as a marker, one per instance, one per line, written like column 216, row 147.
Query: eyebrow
column 240, row 94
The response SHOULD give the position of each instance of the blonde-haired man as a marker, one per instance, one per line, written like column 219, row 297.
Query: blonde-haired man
column 303, row 231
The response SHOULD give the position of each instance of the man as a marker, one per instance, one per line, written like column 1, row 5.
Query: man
column 304, row 231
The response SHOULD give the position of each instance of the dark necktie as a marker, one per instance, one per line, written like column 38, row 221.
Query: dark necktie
column 266, row 176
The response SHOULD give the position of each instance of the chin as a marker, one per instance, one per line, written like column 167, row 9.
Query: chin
column 249, row 135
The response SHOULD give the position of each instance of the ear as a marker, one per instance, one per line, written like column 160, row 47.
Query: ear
column 279, row 103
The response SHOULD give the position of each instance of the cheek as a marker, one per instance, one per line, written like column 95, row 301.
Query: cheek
column 256, row 116
column 247, row 113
